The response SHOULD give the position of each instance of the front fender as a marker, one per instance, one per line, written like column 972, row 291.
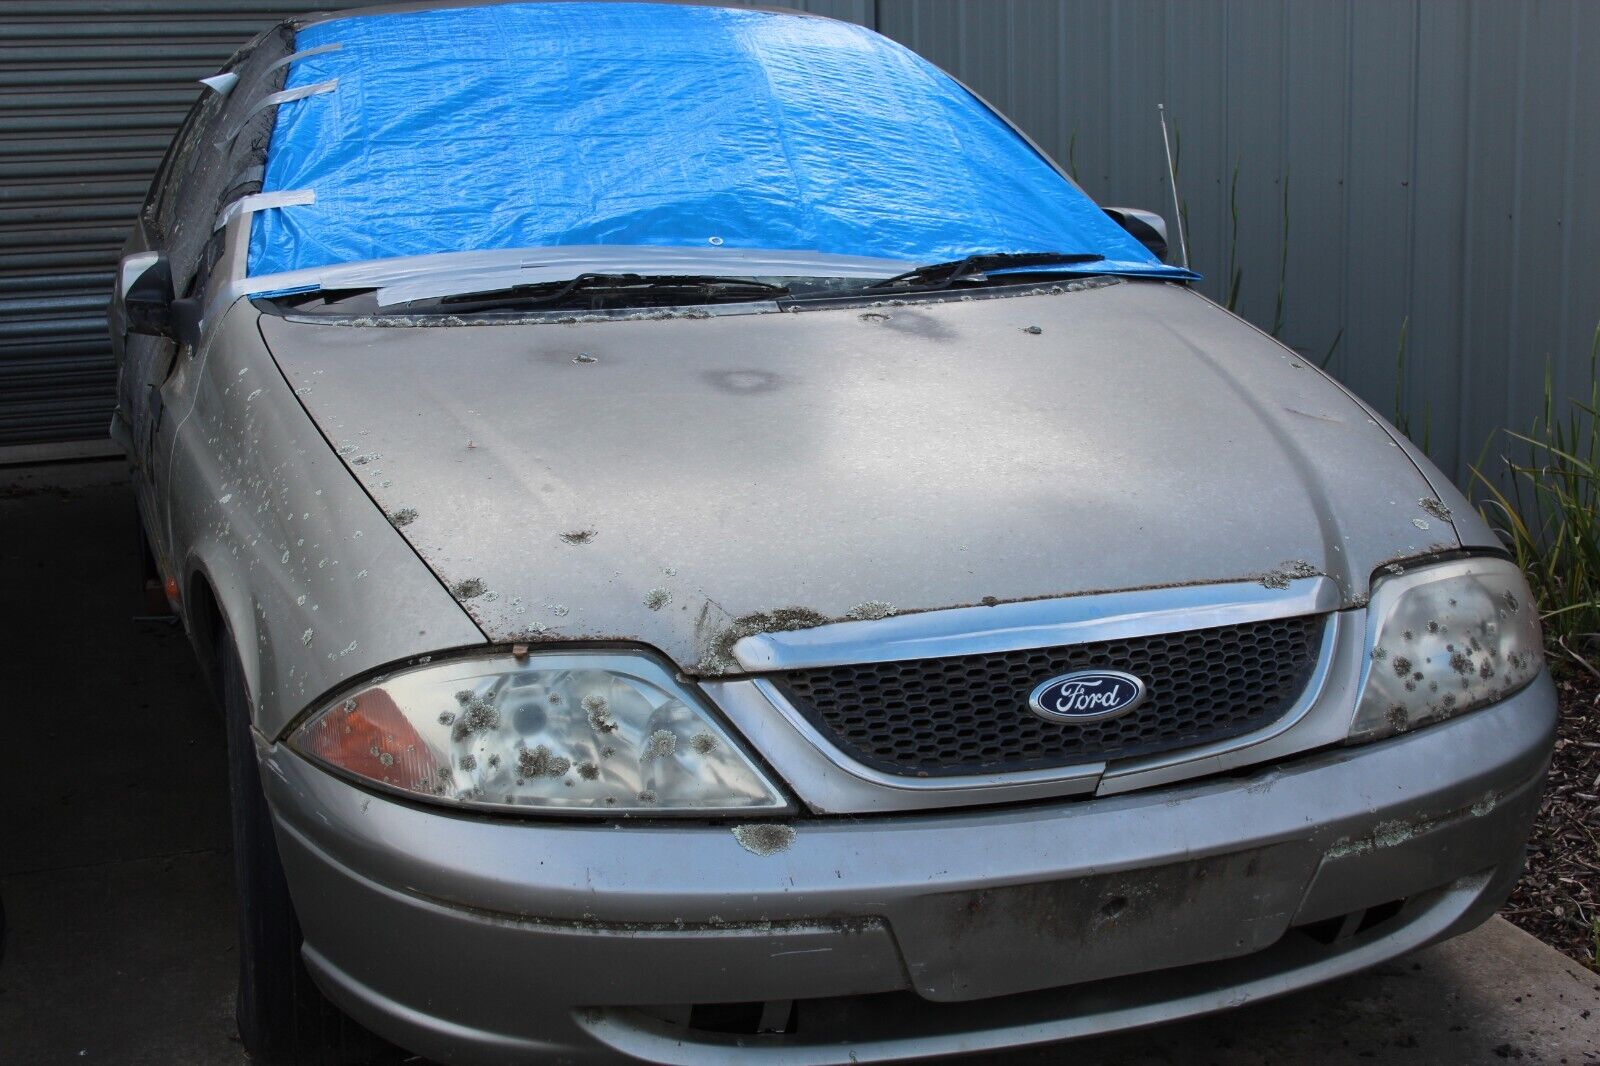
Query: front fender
column 310, row 578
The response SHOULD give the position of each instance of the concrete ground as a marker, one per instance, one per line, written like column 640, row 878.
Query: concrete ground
column 115, row 872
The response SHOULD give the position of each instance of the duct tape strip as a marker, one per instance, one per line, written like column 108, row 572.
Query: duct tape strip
column 289, row 96
column 221, row 84
column 262, row 201
column 292, row 56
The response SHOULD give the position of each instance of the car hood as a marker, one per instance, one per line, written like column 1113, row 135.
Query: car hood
column 672, row 481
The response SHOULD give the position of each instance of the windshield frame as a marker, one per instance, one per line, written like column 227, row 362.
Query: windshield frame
column 454, row 272
column 410, row 279
column 860, row 298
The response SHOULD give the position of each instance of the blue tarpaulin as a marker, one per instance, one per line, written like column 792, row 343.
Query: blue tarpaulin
column 536, row 125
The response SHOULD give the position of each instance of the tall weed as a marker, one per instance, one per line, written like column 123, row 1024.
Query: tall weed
column 1544, row 500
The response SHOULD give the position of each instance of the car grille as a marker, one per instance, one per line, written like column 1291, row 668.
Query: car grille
column 969, row 714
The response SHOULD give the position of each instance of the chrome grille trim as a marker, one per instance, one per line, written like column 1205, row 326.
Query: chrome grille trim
column 1034, row 624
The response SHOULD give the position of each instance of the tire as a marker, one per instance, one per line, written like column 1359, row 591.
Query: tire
column 282, row 1016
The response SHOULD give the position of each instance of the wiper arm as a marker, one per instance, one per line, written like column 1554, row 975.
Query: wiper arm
column 939, row 276
column 601, row 288
column 594, row 289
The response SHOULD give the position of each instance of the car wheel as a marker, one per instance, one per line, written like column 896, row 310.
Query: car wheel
column 282, row 1016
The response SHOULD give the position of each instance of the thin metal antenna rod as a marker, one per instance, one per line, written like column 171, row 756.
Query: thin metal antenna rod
column 1172, row 176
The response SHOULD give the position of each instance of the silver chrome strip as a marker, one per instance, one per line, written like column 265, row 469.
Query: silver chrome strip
column 1035, row 624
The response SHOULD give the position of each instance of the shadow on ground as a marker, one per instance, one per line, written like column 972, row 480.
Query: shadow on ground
column 116, row 876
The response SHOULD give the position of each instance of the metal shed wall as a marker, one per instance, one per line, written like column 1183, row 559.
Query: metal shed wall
column 91, row 91
column 1434, row 157
column 1439, row 160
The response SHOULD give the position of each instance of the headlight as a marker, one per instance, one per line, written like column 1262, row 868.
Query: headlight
column 593, row 732
column 1442, row 640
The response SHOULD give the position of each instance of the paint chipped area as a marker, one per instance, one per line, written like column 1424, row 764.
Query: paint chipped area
column 1286, row 572
column 578, row 536
column 1397, row 832
column 719, row 657
column 469, row 589
column 764, row 838
column 657, row 598
column 870, row 610
column 1435, row 507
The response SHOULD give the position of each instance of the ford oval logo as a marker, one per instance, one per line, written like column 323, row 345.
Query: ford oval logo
column 1087, row 696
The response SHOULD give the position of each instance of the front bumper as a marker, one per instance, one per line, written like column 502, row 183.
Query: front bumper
column 474, row 940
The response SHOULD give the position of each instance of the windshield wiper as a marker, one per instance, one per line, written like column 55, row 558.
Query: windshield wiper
column 615, row 290
column 937, row 276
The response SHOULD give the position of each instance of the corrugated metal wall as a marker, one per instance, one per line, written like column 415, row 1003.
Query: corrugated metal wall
column 1436, row 156
column 1440, row 161
column 90, row 93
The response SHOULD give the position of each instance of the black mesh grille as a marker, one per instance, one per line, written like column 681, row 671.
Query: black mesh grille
column 969, row 714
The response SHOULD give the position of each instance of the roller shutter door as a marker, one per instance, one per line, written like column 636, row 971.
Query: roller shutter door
column 91, row 91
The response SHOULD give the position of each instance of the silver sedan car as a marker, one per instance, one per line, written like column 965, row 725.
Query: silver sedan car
column 713, row 549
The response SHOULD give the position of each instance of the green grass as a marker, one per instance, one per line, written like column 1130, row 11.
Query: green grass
column 1543, row 498
column 1283, row 263
column 1235, row 272
column 1402, row 415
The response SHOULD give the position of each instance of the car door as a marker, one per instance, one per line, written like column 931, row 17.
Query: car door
column 144, row 363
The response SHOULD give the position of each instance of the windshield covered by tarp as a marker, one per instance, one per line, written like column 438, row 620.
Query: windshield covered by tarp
column 534, row 125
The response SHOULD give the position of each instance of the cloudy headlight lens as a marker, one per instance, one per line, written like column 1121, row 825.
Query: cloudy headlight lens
column 1443, row 640
column 579, row 732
